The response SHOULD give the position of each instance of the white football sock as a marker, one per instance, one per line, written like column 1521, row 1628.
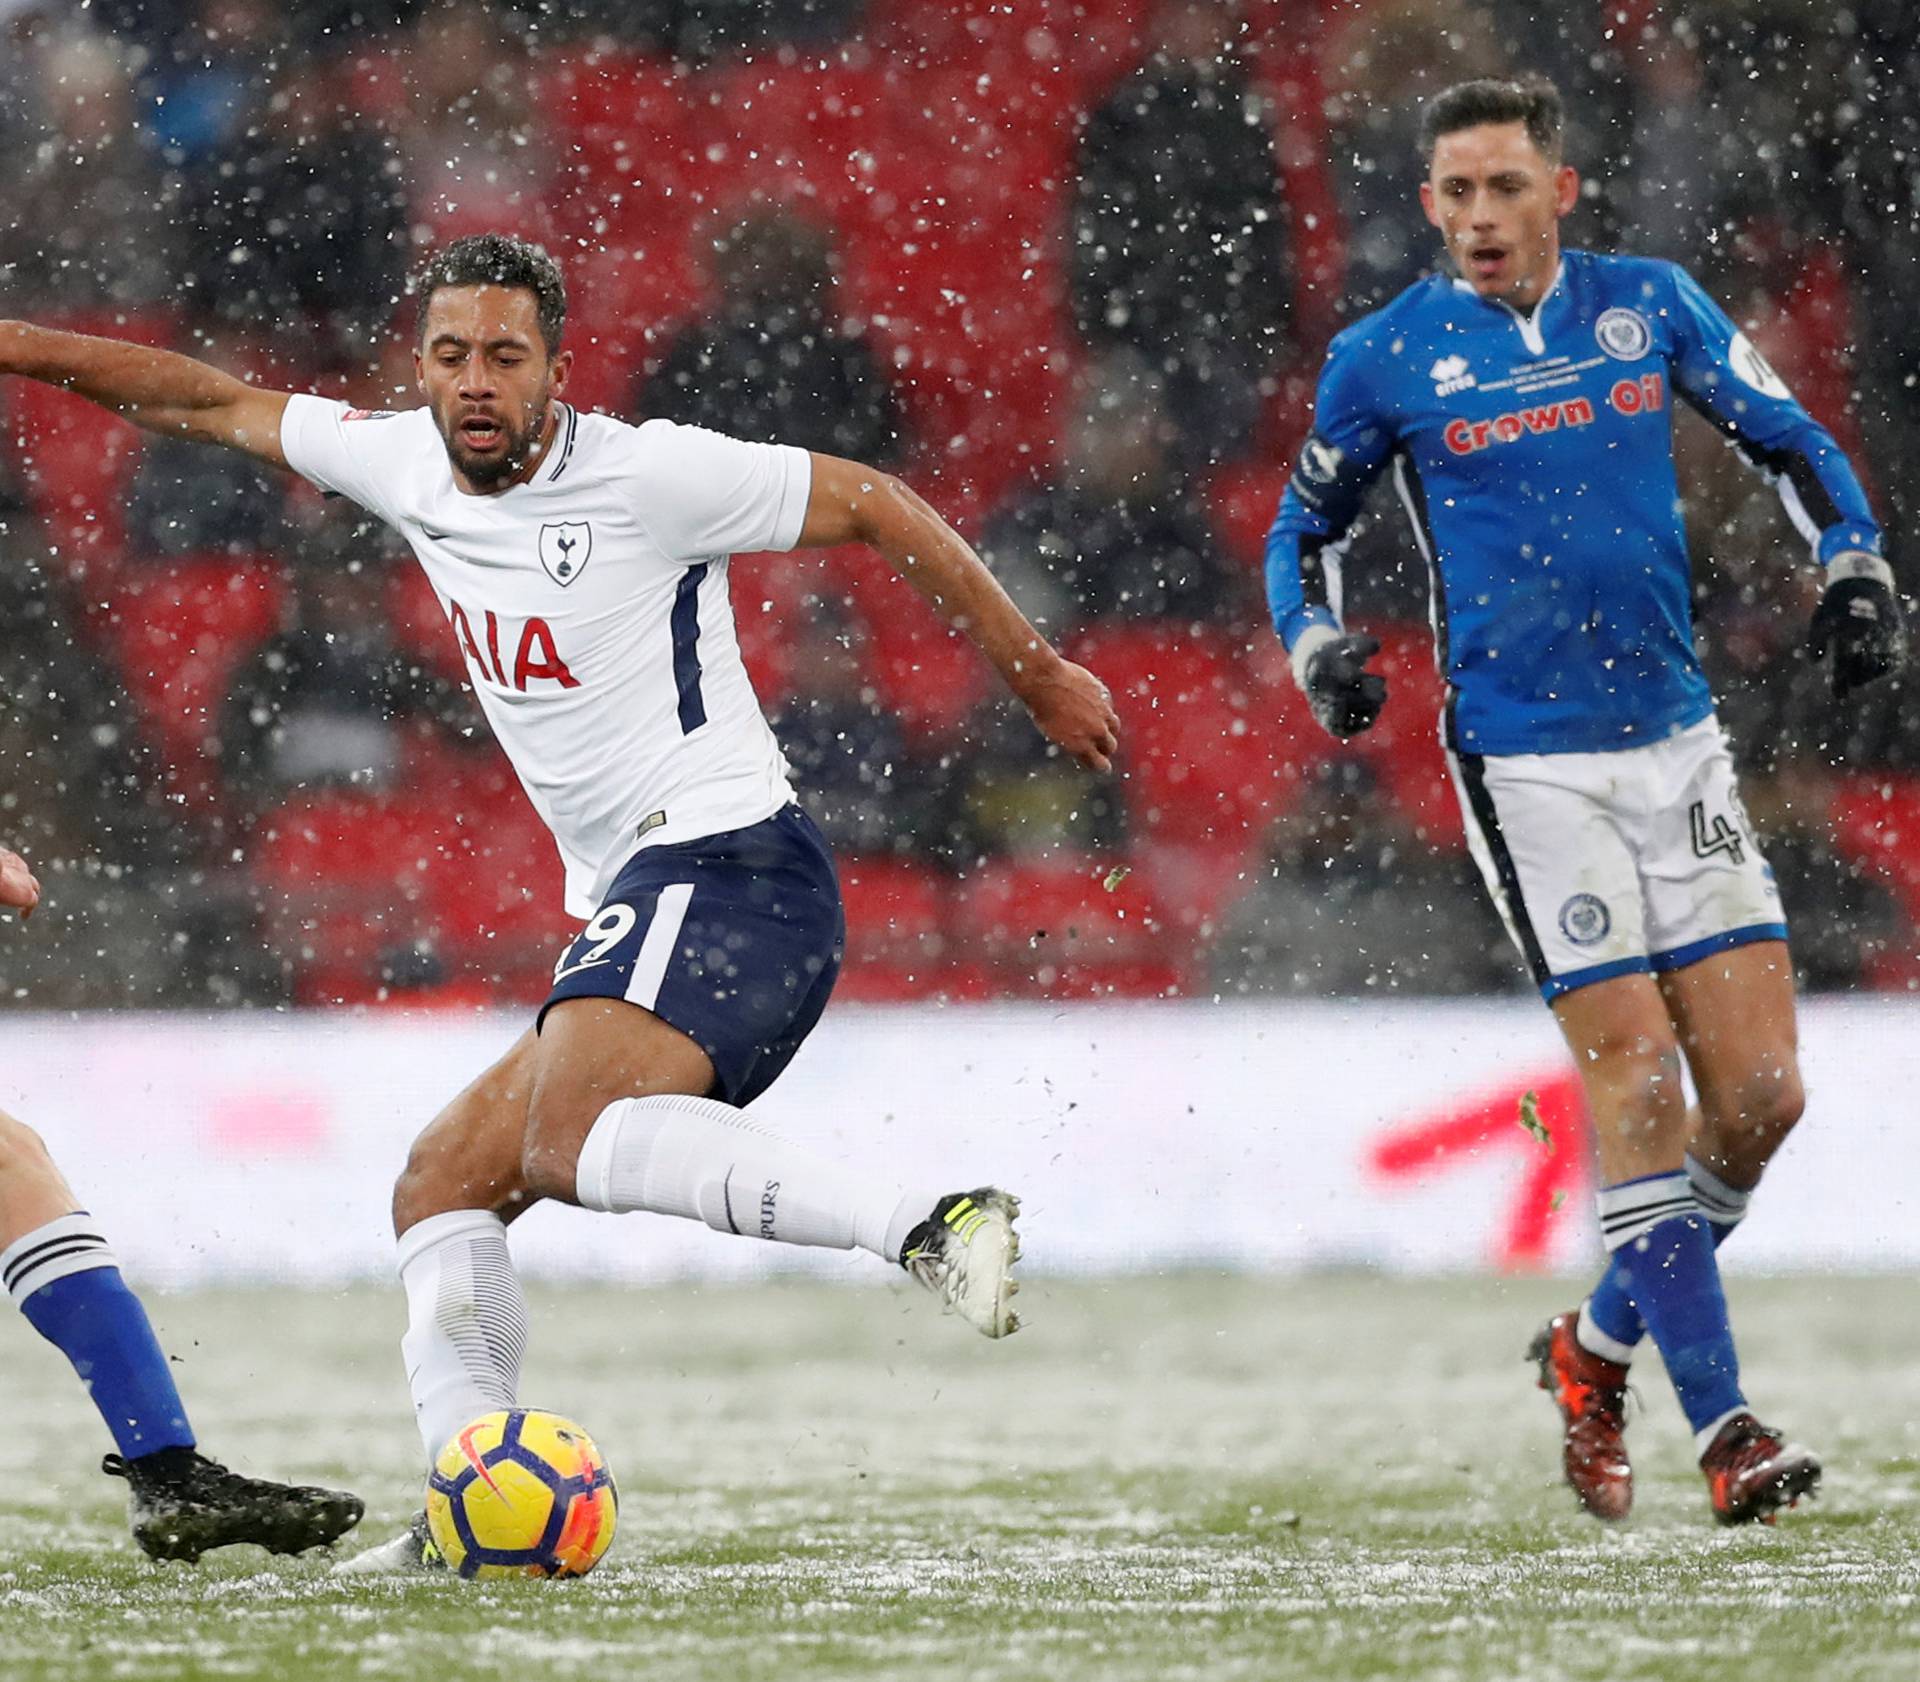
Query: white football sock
column 466, row 1321
column 1724, row 1205
column 706, row 1161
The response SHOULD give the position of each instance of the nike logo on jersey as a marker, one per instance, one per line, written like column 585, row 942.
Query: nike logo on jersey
column 433, row 536
column 561, row 975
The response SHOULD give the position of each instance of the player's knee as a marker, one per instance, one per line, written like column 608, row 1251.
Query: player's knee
column 1642, row 1071
column 1772, row 1106
column 22, row 1151
column 550, row 1156
column 435, row 1180
column 413, row 1192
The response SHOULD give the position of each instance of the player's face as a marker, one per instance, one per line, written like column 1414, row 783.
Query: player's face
column 1497, row 201
column 489, row 381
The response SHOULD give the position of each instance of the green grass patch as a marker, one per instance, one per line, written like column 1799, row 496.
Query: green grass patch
column 1342, row 1477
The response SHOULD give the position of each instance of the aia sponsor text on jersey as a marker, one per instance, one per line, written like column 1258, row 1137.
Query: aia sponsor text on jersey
column 536, row 657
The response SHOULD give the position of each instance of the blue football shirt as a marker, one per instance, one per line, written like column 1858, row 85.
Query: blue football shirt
column 1534, row 455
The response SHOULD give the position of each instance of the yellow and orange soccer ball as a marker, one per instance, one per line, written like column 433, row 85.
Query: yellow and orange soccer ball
column 521, row 1494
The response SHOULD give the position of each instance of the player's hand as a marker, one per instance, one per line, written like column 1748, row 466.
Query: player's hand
column 1345, row 697
column 1859, row 620
column 19, row 889
column 1074, row 711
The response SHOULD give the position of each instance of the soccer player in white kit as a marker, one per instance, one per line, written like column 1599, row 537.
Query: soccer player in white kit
column 582, row 565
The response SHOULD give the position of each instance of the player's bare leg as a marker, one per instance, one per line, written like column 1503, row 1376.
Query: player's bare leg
column 622, row 1120
column 1734, row 1013
column 466, row 1315
column 1662, row 1263
column 610, row 1092
column 58, row 1268
column 1623, row 1044
column 32, row 1189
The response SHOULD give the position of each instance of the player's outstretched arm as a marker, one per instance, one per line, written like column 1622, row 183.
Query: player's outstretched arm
column 854, row 504
column 19, row 889
column 159, row 390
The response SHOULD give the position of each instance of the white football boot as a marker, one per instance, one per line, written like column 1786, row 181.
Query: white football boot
column 410, row 1552
column 964, row 1253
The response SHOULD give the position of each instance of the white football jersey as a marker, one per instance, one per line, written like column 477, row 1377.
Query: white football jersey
column 591, row 606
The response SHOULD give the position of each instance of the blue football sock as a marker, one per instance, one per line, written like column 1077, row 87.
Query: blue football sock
column 64, row 1278
column 1663, row 1259
column 1610, row 1309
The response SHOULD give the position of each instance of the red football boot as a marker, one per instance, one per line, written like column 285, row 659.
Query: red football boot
column 1591, row 1394
column 1752, row 1472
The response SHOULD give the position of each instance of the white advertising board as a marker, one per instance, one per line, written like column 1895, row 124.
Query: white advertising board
column 1258, row 1135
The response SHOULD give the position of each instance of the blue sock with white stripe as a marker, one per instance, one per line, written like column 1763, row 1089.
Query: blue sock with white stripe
column 1610, row 1325
column 67, row 1282
column 1662, row 1252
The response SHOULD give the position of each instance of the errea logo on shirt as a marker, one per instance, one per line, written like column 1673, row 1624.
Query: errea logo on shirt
column 1450, row 374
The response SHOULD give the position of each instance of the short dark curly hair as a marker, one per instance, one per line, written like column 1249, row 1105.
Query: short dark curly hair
column 497, row 260
column 1530, row 99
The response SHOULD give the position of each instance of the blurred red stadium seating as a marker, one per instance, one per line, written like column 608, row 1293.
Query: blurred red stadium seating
column 940, row 147
column 1053, row 929
column 178, row 629
column 899, row 938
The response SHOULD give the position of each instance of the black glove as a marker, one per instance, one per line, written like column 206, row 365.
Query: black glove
column 1345, row 697
column 1859, row 619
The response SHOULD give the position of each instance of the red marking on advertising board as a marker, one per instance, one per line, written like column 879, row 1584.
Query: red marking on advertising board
column 1430, row 1145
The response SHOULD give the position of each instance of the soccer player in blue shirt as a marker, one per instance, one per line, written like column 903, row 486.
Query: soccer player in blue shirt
column 1522, row 400
column 58, row 1267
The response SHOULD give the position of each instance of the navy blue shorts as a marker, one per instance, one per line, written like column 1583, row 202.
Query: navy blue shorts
column 734, row 939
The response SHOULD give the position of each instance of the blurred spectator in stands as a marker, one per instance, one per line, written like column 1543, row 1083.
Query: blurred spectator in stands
column 186, row 499
column 72, row 756
column 1666, row 164
column 84, row 222
column 31, row 31
column 299, row 222
column 1180, row 243
column 204, row 86
column 476, row 149
column 323, row 701
column 84, row 797
column 1350, row 902
column 778, row 362
column 697, row 30
column 1007, row 793
column 1792, row 744
column 1841, row 916
column 849, row 755
column 1118, row 533
column 1777, row 705
column 1881, row 165
column 1387, row 60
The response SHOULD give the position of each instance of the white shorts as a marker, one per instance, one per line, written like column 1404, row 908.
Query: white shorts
column 1605, row 864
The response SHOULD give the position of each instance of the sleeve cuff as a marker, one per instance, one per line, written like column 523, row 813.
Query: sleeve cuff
column 1305, row 646
column 1857, row 563
column 795, row 492
column 1301, row 620
column 1840, row 540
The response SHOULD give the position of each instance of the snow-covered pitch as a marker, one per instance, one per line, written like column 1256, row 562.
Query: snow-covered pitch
column 1202, row 1476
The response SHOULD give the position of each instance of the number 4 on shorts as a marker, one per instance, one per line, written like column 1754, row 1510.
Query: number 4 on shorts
column 1719, row 837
